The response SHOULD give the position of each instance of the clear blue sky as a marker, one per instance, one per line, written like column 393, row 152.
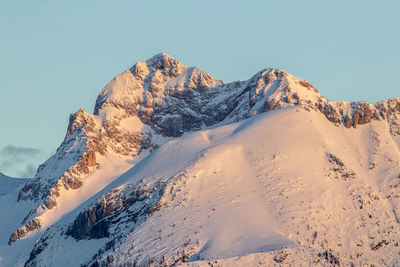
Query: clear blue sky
column 56, row 56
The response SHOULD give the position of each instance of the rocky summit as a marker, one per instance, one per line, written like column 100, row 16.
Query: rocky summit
column 175, row 167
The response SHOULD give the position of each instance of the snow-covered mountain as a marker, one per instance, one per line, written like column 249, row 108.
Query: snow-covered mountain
column 175, row 167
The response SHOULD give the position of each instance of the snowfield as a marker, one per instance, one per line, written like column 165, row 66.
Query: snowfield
column 251, row 191
column 291, row 185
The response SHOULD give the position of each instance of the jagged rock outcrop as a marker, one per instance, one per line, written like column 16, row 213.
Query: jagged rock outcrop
column 33, row 224
column 127, row 204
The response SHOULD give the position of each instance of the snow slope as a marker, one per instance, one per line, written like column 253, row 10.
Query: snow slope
column 9, row 184
column 12, row 213
column 262, row 190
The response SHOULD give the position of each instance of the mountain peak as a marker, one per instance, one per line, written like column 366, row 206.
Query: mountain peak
column 160, row 58
column 161, row 62
column 152, row 79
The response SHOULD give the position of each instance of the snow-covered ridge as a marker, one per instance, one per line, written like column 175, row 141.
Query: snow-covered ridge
column 141, row 109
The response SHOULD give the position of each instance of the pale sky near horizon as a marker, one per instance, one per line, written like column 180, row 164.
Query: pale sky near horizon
column 56, row 56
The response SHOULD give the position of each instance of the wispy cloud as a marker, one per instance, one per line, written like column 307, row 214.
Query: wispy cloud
column 20, row 161
column 19, row 151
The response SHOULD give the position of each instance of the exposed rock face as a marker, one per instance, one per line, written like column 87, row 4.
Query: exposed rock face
column 33, row 224
column 95, row 221
column 92, row 223
column 339, row 169
column 164, row 98
column 331, row 113
column 80, row 119
column 127, row 205
column 87, row 160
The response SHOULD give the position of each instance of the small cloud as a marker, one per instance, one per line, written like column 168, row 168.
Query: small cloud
column 20, row 161
column 28, row 172
column 11, row 150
